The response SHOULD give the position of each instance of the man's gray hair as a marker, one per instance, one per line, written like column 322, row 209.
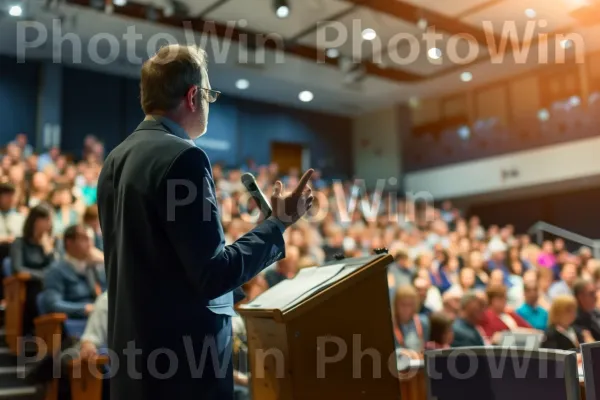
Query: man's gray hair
column 468, row 298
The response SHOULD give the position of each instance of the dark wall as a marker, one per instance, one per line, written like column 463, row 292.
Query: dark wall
column 108, row 107
column 577, row 211
column 18, row 99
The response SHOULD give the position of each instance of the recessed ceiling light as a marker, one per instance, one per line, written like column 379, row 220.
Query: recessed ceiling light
column 543, row 115
column 282, row 11
column 414, row 102
column 566, row 43
column 306, row 96
column 434, row 53
column 574, row 101
column 464, row 132
column 530, row 13
column 422, row 23
column 242, row 84
column 333, row 53
column 119, row 3
column 369, row 34
column 466, row 76
column 15, row 11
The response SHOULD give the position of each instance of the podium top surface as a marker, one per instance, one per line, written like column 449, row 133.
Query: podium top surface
column 311, row 285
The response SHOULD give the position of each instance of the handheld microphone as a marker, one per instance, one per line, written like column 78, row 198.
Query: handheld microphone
column 251, row 186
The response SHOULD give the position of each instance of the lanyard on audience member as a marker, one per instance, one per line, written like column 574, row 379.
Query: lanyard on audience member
column 418, row 327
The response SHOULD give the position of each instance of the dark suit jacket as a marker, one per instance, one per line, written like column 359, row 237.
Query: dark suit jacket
column 589, row 321
column 556, row 340
column 170, row 275
column 465, row 334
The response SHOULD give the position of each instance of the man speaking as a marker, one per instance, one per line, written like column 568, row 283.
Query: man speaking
column 170, row 275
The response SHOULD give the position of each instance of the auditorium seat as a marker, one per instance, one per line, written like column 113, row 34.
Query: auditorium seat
column 51, row 328
column 86, row 380
column 15, row 291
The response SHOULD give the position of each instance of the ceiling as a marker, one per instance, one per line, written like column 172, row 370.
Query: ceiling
column 296, row 60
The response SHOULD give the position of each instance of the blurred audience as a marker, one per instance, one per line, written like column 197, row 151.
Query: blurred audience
column 411, row 330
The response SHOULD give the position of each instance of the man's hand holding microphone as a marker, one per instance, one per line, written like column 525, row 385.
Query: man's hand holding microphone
column 286, row 209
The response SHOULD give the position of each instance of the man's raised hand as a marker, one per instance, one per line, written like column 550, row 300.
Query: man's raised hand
column 292, row 207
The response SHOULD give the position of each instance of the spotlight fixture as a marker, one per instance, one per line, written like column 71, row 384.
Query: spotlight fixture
column 466, row 76
column 119, row 3
column 530, row 13
column 369, row 34
column 566, row 43
column 333, row 53
column 242, row 84
column 464, row 132
column 422, row 24
column 306, row 96
column 282, row 8
column 543, row 115
column 15, row 11
column 434, row 53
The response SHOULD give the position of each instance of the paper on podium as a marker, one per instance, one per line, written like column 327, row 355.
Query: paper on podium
column 290, row 292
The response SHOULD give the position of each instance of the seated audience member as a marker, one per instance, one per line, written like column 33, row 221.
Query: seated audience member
column 40, row 189
column 545, row 279
column 72, row 284
column 515, row 291
column 64, row 212
column 89, row 187
column 588, row 316
column 451, row 300
column 286, row 268
column 530, row 311
column 497, row 249
column 32, row 254
column 589, row 269
column 546, row 257
column 335, row 243
column 561, row 334
column 422, row 287
column 433, row 301
column 91, row 220
column 466, row 328
column 441, row 276
column 400, row 272
column 497, row 317
column 441, row 334
column 11, row 220
column 411, row 330
column 466, row 282
column 477, row 263
column 568, row 275
column 95, row 336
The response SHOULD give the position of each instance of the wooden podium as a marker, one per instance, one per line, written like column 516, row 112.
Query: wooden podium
column 336, row 344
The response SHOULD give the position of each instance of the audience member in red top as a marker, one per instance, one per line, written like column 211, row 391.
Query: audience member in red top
column 497, row 317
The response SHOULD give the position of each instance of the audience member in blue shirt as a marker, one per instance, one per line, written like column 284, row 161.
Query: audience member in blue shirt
column 72, row 284
column 531, row 312
column 48, row 158
column 568, row 275
column 411, row 330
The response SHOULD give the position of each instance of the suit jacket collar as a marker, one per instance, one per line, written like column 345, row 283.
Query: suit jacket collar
column 160, row 123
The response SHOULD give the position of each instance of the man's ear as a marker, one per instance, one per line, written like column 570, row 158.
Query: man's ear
column 192, row 101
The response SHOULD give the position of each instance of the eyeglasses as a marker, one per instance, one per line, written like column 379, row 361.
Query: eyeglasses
column 212, row 95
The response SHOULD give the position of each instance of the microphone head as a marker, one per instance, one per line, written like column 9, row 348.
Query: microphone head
column 249, row 182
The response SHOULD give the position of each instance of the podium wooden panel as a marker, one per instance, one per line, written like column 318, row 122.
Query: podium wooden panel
column 285, row 346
